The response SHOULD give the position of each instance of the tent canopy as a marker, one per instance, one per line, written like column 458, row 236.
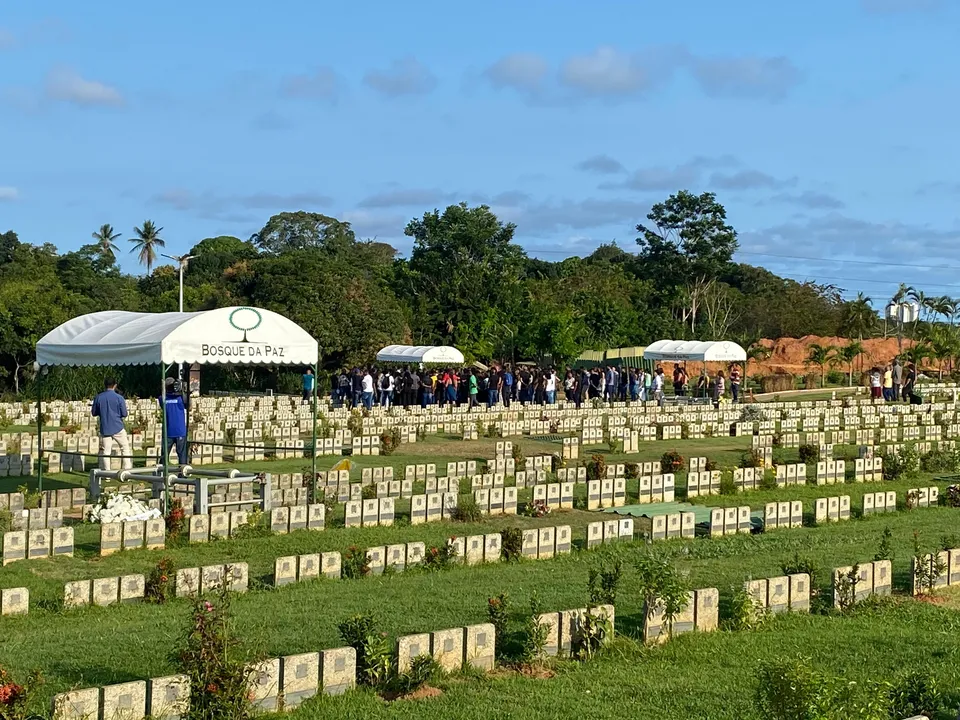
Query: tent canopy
column 425, row 354
column 692, row 350
column 230, row 336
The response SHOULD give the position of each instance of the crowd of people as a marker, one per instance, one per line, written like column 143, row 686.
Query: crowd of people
column 892, row 384
column 526, row 384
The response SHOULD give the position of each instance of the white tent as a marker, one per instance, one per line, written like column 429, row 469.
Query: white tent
column 233, row 335
column 423, row 354
column 694, row 351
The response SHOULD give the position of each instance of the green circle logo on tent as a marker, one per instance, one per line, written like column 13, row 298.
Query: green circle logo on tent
column 245, row 319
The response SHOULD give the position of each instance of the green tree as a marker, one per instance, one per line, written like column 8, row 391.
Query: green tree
column 944, row 345
column 146, row 243
column 848, row 354
column 756, row 352
column 463, row 263
column 105, row 239
column 688, row 237
column 821, row 356
column 859, row 317
column 289, row 231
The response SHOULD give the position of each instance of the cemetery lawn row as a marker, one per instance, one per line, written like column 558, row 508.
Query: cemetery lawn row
column 95, row 646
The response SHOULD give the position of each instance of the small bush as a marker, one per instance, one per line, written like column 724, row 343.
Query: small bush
column 423, row 669
column 727, row 485
column 438, row 558
column 519, row 461
column 787, row 690
column 928, row 567
column 745, row 613
column 373, row 649
column 211, row 658
column 711, row 465
column 902, row 464
column 937, row 461
column 915, row 694
column 389, row 441
column 596, row 468
column 493, row 431
column 594, row 632
column 498, row 609
column 604, row 580
column 809, row 453
column 160, row 583
column 467, row 511
column 6, row 520
column 751, row 459
column 952, row 496
column 256, row 526
column 533, row 637
column 836, row 377
column 511, row 544
column 631, row 471
column 884, row 549
column 661, row 585
column 845, row 589
column 768, row 481
column 799, row 565
column 752, row 413
column 16, row 699
column 31, row 498
column 671, row 462
column 368, row 492
column 355, row 563
column 536, row 509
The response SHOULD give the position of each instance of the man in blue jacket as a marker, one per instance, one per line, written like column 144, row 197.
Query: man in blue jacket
column 176, row 411
column 111, row 408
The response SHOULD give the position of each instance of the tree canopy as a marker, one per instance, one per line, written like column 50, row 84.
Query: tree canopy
column 466, row 282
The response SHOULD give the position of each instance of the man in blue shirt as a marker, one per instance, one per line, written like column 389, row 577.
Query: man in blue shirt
column 308, row 381
column 111, row 408
column 176, row 411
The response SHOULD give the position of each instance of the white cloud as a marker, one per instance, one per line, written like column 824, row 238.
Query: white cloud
column 65, row 84
column 322, row 84
column 601, row 164
column 605, row 72
column 746, row 77
column 525, row 72
column 8, row 193
column 407, row 76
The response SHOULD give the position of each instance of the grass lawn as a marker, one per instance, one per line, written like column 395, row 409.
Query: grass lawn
column 696, row 676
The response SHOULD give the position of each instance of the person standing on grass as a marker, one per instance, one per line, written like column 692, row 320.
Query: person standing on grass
column 366, row 389
column 111, row 408
column 386, row 389
column 703, row 384
column 735, row 383
column 719, row 387
column 910, row 384
column 876, row 384
column 175, row 408
column 473, row 388
column 647, row 385
column 658, row 387
column 897, row 371
column 308, row 382
column 888, row 383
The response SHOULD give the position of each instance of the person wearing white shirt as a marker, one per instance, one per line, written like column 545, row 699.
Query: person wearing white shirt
column 658, row 387
column 550, row 387
column 366, row 390
column 386, row 389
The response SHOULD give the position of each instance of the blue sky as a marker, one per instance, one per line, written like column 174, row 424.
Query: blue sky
column 827, row 128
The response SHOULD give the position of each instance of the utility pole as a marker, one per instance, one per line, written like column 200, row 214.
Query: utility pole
column 182, row 261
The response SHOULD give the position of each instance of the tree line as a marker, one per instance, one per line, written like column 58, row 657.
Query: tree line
column 467, row 282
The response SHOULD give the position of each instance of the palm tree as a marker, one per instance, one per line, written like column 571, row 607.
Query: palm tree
column 758, row 352
column 919, row 352
column 146, row 243
column 942, row 306
column 848, row 354
column 860, row 316
column 943, row 345
column 821, row 355
column 105, row 237
column 920, row 298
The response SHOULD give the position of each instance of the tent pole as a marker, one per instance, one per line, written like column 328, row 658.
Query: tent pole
column 314, row 412
column 39, row 430
column 164, row 446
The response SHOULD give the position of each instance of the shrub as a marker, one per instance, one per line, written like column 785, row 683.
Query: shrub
column 160, row 583
column 799, row 565
column 768, row 481
column 466, row 510
column 661, row 585
column 594, row 632
column 937, row 461
column 17, row 698
column 389, row 441
column 519, row 461
column 533, row 637
column 901, row 464
column 372, row 647
column 752, row 413
column 884, row 549
column 604, row 580
column 711, row 465
column 355, row 563
column 809, row 453
column 845, row 589
column 751, row 459
column 631, row 471
column 952, row 496
column 927, row 567
column 614, row 445
column 437, row 558
column 210, row 657
column 498, row 608
column 422, row 670
column 256, row 526
column 914, row 694
column 493, row 431
column 511, row 543
column 31, row 498
column 368, row 492
column 671, row 462
column 355, row 422
column 727, row 485
column 836, row 377
column 745, row 613
column 596, row 468
column 6, row 520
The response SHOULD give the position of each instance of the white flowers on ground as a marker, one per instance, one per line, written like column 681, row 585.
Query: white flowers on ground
column 119, row 508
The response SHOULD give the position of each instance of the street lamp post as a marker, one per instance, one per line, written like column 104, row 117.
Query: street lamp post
column 181, row 260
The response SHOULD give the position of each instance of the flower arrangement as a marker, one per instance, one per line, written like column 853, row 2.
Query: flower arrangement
column 671, row 462
column 15, row 697
column 159, row 586
column 176, row 520
column 355, row 563
column 437, row 558
column 536, row 509
column 115, row 507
